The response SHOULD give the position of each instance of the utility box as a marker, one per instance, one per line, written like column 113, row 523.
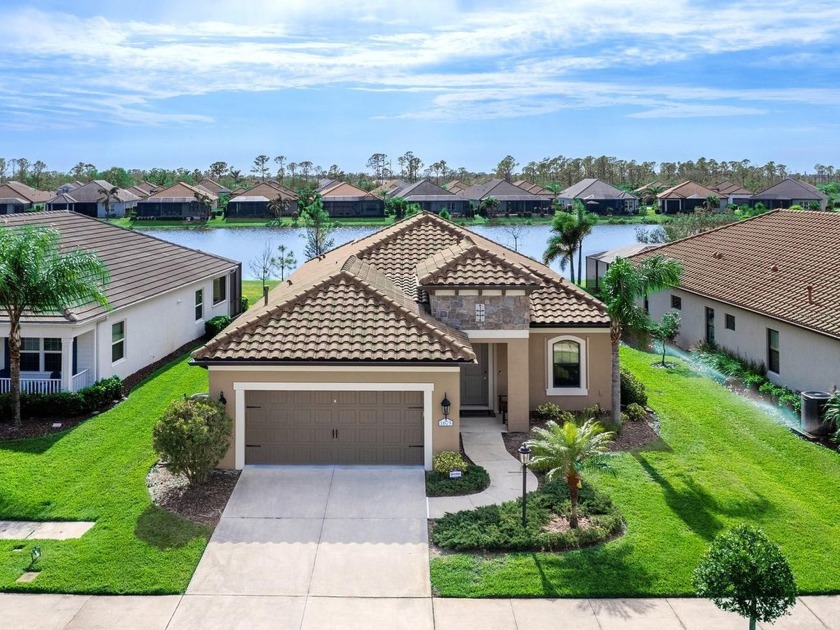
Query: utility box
column 813, row 413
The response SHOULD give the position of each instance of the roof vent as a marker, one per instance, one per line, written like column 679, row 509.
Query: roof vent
column 718, row 255
column 775, row 267
column 810, row 288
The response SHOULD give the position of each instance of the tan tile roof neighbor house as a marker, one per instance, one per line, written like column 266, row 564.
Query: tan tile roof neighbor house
column 181, row 191
column 360, row 302
column 687, row 190
column 17, row 190
column 783, row 264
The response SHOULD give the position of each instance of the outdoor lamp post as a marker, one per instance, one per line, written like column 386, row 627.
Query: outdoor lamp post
column 445, row 405
column 525, row 458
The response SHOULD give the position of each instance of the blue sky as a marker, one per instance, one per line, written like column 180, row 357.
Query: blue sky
column 170, row 84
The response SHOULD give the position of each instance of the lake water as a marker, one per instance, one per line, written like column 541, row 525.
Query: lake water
column 244, row 244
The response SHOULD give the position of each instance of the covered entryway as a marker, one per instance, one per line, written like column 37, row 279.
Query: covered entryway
column 334, row 427
column 475, row 384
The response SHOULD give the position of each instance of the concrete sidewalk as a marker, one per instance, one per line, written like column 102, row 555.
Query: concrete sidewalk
column 255, row 612
column 484, row 445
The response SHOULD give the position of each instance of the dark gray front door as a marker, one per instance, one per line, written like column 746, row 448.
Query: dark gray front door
column 474, row 384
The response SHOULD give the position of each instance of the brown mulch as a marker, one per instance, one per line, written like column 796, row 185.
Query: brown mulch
column 201, row 504
column 559, row 524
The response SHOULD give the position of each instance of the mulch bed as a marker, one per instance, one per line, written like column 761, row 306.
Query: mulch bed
column 201, row 504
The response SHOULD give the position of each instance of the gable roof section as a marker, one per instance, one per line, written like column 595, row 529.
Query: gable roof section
column 353, row 314
column 591, row 188
column 465, row 264
column 532, row 188
column 213, row 186
column 642, row 190
column 17, row 190
column 498, row 188
column 734, row 264
column 140, row 266
column 456, row 186
column 90, row 193
column 267, row 191
column 343, row 189
column 791, row 189
column 179, row 191
column 687, row 190
column 424, row 190
column 730, row 188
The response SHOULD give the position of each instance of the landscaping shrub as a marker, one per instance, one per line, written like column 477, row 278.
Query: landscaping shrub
column 446, row 461
column 499, row 527
column 635, row 412
column 552, row 411
column 243, row 303
column 474, row 479
column 192, row 436
column 215, row 325
column 632, row 389
column 102, row 393
column 64, row 404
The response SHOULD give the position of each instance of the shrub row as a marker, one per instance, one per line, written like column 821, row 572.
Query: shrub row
column 64, row 404
column 474, row 479
column 632, row 390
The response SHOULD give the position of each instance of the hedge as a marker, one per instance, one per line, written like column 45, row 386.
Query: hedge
column 64, row 404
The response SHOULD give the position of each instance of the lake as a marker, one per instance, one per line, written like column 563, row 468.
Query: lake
column 244, row 244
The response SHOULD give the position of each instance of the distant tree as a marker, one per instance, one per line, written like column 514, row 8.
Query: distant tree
column 684, row 225
column 585, row 222
column 38, row 169
column 278, row 207
column 410, row 166
column 712, row 203
column 564, row 241
column 318, row 227
column 22, row 165
column 396, row 207
column 118, row 176
column 516, row 231
column 335, row 172
column 506, row 168
column 555, row 190
column 440, row 170
column 3, row 168
column 623, row 285
column 285, row 260
column 217, row 169
column 745, row 572
column 280, row 160
column 236, row 176
column 488, row 206
column 377, row 163
column 292, row 169
column 37, row 278
column 651, row 193
column 305, row 169
column 107, row 196
column 260, row 168
column 666, row 330
column 205, row 204
column 83, row 171
column 264, row 266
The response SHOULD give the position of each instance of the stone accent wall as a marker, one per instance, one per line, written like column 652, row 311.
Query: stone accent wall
column 501, row 312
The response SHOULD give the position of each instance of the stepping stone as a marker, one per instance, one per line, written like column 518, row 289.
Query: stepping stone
column 43, row 530
column 16, row 530
column 28, row 576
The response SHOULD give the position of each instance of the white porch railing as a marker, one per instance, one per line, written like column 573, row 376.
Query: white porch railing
column 32, row 385
column 82, row 379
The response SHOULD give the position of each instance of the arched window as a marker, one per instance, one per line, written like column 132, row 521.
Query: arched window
column 566, row 369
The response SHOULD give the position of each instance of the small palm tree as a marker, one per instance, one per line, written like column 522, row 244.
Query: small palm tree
column 564, row 241
column 37, row 278
column 205, row 204
column 278, row 207
column 107, row 195
column 586, row 222
column 489, row 206
column 565, row 451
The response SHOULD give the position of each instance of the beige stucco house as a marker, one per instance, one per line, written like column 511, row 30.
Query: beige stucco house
column 352, row 357
column 766, row 289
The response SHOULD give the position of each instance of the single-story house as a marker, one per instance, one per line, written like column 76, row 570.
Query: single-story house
column 455, row 186
column 214, row 187
column 648, row 192
column 142, row 190
column 89, row 199
column 371, row 353
column 512, row 199
column 431, row 197
column 731, row 193
column 255, row 201
column 17, row 197
column 67, row 187
column 685, row 197
column 386, row 188
column 531, row 187
column 179, row 201
column 600, row 197
column 767, row 289
column 597, row 264
column 160, row 295
column 791, row 192
column 341, row 199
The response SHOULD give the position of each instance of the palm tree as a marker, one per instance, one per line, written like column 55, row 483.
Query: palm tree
column 623, row 285
column 106, row 196
column 564, row 241
column 278, row 206
column 205, row 204
column 586, row 222
column 555, row 189
column 565, row 451
column 236, row 176
column 37, row 278
column 488, row 205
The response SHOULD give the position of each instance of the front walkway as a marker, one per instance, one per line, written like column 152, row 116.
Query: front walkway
column 484, row 445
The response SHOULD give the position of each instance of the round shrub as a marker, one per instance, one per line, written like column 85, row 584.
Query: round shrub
column 635, row 412
column 192, row 436
column 215, row 325
column 632, row 389
column 446, row 461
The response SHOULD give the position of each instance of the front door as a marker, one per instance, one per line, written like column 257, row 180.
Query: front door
column 474, row 383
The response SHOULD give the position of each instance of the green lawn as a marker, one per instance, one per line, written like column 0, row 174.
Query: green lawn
column 97, row 472
column 720, row 462
column 252, row 289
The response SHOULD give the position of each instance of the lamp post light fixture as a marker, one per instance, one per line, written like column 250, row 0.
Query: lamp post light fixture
column 525, row 458
column 445, row 405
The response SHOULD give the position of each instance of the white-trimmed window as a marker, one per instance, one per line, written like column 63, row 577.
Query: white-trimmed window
column 219, row 289
column 52, row 354
column 118, row 341
column 36, row 356
column 199, row 304
column 566, row 366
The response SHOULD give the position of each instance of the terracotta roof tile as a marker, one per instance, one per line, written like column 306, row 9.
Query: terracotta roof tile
column 735, row 264
column 465, row 264
column 687, row 190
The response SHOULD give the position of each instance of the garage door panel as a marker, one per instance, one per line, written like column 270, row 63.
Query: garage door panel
column 334, row 427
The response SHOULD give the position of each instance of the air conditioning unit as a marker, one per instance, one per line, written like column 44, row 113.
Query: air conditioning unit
column 813, row 413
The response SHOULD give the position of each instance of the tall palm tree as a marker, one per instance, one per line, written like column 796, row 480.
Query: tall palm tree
column 106, row 196
column 37, row 278
column 564, row 241
column 586, row 222
column 565, row 451
column 278, row 206
column 623, row 285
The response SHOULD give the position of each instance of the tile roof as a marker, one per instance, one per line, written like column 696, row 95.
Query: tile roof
column 456, row 186
column 359, row 302
column 591, row 188
column 730, row 188
column 343, row 189
column 13, row 189
column 178, row 192
column 90, row 193
column 687, row 190
column 140, row 266
column 266, row 190
column 791, row 189
column 466, row 264
column 422, row 189
column 531, row 187
column 498, row 188
column 213, row 186
column 735, row 264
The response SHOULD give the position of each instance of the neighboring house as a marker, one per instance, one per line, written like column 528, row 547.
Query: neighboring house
column 180, row 201
column 214, row 187
column 790, row 192
column 455, row 186
column 532, row 188
column 766, row 289
column 351, row 359
column 599, row 197
column 89, row 199
column 597, row 264
column 431, row 197
column 255, row 201
column 387, row 188
column 17, row 197
column 142, row 190
column 731, row 193
column 341, row 199
column 685, row 197
column 512, row 199
column 66, row 188
column 160, row 295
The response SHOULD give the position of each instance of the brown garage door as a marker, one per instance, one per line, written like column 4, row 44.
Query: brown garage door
column 309, row 427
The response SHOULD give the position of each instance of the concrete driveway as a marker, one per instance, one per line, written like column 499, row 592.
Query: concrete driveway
column 314, row 544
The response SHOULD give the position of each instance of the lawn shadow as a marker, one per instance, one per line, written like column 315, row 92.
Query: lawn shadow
column 697, row 508
column 38, row 445
column 165, row 530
